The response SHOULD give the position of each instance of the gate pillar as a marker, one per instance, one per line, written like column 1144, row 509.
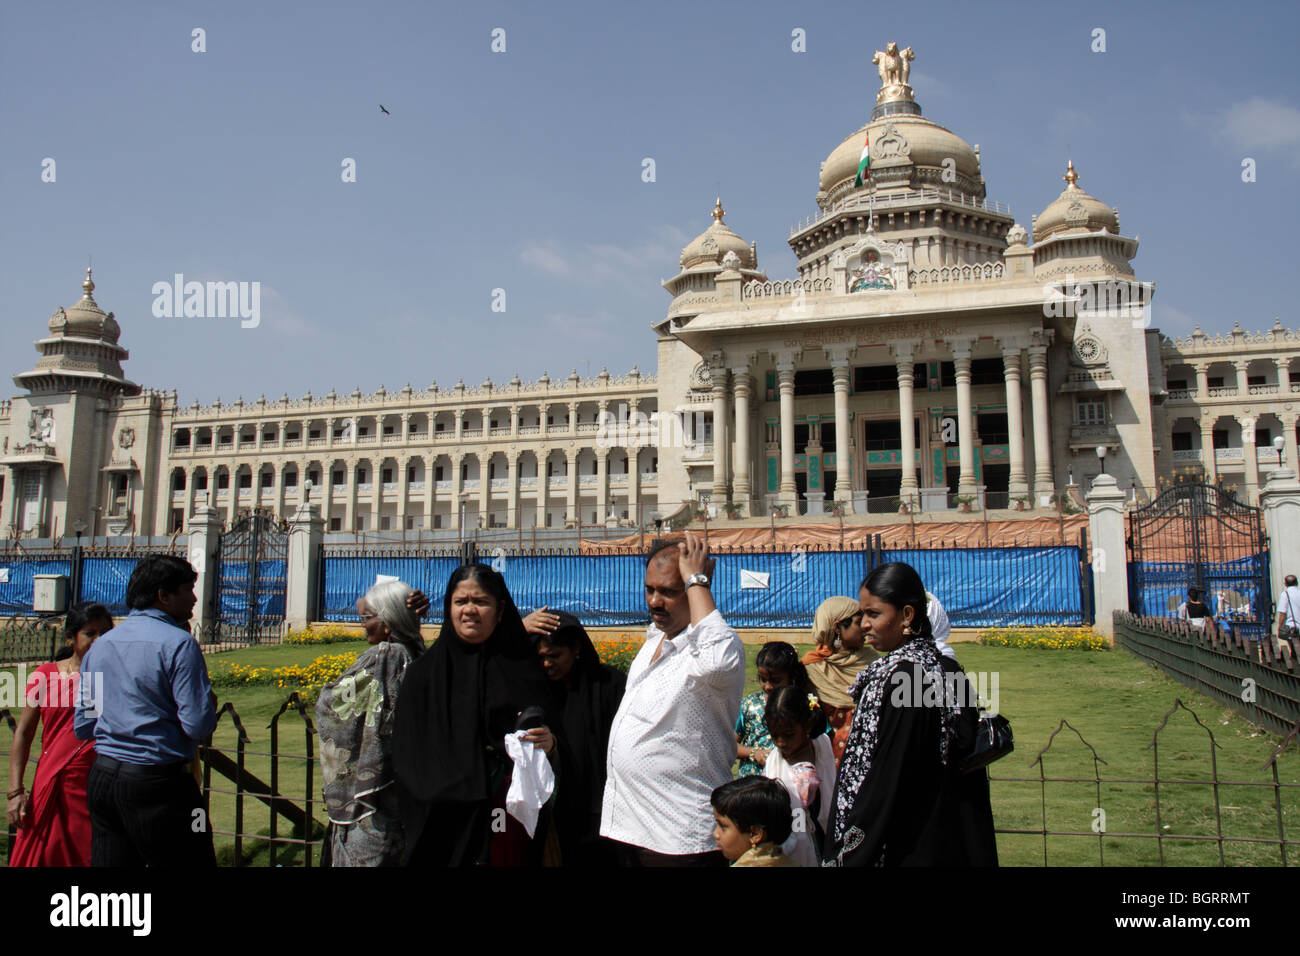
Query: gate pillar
column 1109, row 554
column 1280, row 498
column 204, row 533
column 302, row 571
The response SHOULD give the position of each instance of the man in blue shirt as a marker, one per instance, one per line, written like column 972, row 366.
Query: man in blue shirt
column 147, row 703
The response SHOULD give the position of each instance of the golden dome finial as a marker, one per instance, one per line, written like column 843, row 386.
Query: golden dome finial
column 718, row 211
column 88, row 284
column 1071, row 176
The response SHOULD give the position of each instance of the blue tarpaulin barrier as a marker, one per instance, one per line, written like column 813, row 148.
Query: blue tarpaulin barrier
column 978, row 586
column 103, row 580
column 16, row 581
column 234, row 590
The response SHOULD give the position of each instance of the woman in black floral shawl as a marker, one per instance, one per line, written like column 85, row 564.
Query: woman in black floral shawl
column 901, row 798
column 354, row 718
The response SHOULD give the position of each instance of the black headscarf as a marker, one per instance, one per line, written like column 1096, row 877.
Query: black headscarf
column 587, row 704
column 457, row 704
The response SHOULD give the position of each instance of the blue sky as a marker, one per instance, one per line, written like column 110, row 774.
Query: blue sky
column 522, row 170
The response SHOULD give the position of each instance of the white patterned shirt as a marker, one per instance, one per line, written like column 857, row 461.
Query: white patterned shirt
column 673, row 740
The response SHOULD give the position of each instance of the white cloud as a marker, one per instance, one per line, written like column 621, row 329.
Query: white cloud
column 545, row 258
column 607, row 261
column 1262, row 124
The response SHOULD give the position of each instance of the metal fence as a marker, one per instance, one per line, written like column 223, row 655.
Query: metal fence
column 1190, row 795
column 27, row 640
column 1258, row 679
column 265, row 808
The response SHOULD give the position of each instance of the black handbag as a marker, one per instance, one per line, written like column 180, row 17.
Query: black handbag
column 993, row 741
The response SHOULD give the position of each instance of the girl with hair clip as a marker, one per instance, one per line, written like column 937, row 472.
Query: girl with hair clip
column 777, row 665
column 805, row 764
column 901, row 798
column 354, row 717
column 53, row 821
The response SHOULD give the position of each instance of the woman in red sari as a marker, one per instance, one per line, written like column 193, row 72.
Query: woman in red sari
column 53, row 820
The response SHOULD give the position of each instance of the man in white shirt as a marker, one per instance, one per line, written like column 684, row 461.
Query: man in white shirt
column 673, row 739
column 940, row 626
column 1288, row 608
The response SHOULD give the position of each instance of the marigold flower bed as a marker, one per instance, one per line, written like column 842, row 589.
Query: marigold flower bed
column 1044, row 638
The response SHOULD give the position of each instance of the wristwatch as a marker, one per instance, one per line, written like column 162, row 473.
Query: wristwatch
column 702, row 579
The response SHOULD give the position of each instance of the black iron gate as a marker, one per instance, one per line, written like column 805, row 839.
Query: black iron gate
column 253, row 559
column 1200, row 535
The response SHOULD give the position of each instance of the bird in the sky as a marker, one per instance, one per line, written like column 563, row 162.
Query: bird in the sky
column 384, row 111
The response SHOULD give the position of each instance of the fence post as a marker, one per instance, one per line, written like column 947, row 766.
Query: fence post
column 1110, row 570
column 1280, row 499
column 204, row 538
column 303, row 569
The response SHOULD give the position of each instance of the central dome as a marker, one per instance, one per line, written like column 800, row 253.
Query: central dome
column 907, row 150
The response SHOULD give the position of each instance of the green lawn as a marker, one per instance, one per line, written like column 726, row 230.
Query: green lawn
column 1114, row 700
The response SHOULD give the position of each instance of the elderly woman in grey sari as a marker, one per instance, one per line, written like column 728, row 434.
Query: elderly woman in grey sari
column 354, row 717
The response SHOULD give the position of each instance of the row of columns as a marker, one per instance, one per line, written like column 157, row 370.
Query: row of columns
column 1241, row 366
column 431, row 496
column 329, row 441
column 741, row 392
column 1249, row 448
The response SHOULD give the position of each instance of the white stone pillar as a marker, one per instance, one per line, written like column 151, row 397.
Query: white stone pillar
column 965, row 433
column 1109, row 554
column 1243, row 387
column 430, row 490
column 484, row 484
column 1283, row 376
column 1019, row 482
column 1280, row 499
column 719, row 381
column 1292, row 453
column 1043, row 484
column 403, row 485
column 456, row 502
column 350, row 502
column 1202, row 380
column 1249, row 457
column 571, row 487
column 840, row 372
column 785, row 382
column 602, row 484
column 302, row 573
column 741, row 494
column 633, row 482
column 1208, row 461
column 904, row 362
column 512, row 483
column 203, row 534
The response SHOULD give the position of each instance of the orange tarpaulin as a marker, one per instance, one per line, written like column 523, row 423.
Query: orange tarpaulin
column 970, row 533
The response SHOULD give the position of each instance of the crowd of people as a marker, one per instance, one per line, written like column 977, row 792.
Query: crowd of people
column 507, row 742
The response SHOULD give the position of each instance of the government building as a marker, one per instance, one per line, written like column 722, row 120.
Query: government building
column 929, row 353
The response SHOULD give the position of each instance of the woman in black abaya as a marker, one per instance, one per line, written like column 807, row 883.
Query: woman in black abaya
column 458, row 703
column 585, row 695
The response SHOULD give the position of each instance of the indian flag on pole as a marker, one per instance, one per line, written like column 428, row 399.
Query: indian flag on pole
column 864, row 163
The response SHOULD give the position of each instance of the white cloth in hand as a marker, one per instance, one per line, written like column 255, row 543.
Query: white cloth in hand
column 532, row 782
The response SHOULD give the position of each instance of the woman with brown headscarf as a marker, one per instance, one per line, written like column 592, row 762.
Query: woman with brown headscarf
column 836, row 662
